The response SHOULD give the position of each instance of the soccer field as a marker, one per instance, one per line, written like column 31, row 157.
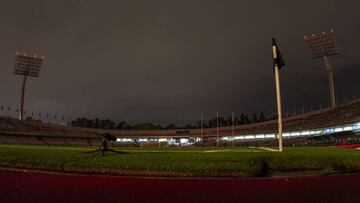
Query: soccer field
column 181, row 162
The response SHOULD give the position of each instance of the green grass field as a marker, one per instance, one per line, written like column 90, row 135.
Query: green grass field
column 182, row 162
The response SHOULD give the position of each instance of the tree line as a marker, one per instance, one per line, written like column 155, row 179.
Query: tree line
column 243, row 119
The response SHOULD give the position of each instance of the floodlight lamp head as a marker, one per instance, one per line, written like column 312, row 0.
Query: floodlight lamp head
column 323, row 44
column 27, row 64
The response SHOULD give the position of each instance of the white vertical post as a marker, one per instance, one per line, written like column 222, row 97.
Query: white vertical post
column 278, row 98
column 233, row 128
column 303, row 109
column 217, row 129
column 353, row 94
column 202, row 130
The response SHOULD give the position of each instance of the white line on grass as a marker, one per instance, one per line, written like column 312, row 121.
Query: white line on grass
column 268, row 149
column 231, row 150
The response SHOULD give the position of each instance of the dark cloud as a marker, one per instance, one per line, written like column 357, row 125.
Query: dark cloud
column 170, row 61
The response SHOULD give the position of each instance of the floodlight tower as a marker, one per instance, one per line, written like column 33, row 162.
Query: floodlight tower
column 26, row 65
column 324, row 45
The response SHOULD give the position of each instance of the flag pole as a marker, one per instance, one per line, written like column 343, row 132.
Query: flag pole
column 202, row 130
column 278, row 95
column 233, row 128
column 217, row 129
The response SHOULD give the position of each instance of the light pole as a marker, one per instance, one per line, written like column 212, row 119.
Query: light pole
column 26, row 65
column 324, row 45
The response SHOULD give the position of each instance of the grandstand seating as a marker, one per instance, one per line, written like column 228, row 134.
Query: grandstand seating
column 13, row 131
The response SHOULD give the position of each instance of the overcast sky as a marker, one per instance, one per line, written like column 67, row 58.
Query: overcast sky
column 169, row 61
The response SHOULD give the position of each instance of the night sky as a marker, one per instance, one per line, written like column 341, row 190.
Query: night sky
column 171, row 61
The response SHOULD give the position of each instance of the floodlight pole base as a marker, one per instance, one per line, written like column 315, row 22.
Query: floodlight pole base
column 21, row 116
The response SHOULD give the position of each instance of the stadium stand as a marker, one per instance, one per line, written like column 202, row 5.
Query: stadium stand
column 13, row 131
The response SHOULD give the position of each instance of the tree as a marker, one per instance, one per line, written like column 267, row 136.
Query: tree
column 262, row 117
column 97, row 123
column 255, row 119
column 122, row 125
column 144, row 126
column 211, row 123
column 246, row 119
column 242, row 119
column 190, row 126
column 107, row 124
column 170, row 127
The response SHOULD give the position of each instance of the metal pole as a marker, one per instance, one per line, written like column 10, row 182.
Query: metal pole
column 21, row 117
column 303, row 109
column 278, row 98
column 202, row 130
column 329, row 70
column 294, row 110
column 353, row 94
column 217, row 129
column 233, row 128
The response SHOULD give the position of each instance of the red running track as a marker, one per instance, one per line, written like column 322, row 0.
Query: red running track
column 43, row 187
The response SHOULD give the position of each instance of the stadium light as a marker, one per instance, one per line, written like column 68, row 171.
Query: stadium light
column 324, row 45
column 26, row 65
